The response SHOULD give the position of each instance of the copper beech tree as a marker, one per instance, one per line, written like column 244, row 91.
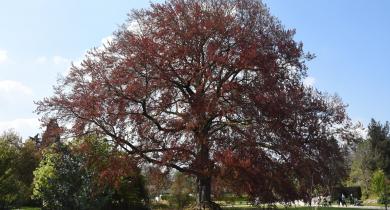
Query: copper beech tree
column 211, row 88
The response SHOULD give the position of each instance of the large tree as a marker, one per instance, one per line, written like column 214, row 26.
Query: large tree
column 210, row 88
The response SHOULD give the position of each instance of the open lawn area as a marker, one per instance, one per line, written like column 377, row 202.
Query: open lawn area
column 299, row 208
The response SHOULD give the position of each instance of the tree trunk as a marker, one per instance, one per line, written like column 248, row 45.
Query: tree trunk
column 386, row 195
column 204, row 194
column 204, row 189
column 204, row 178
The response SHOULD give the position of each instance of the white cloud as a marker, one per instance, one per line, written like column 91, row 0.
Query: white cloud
column 12, row 87
column 16, row 101
column 57, row 60
column 41, row 60
column 74, row 63
column 3, row 56
column 134, row 27
column 309, row 81
column 25, row 126
column 60, row 60
column 359, row 130
column 106, row 40
column 103, row 42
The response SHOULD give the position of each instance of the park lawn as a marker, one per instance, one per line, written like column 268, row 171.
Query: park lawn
column 296, row 208
column 28, row 208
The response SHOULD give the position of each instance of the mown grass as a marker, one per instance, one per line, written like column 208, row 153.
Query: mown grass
column 294, row 208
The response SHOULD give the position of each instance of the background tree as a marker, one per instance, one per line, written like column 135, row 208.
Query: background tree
column 361, row 173
column 52, row 134
column 380, row 186
column 116, row 178
column 88, row 175
column 9, row 184
column 17, row 162
column 335, row 171
column 379, row 138
column 372, row 154
column 208, row 88
column 158, row 181
column 27, row 161
column 59, row 181
column 182, row 190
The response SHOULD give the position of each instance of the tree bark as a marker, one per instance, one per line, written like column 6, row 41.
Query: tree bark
column 204, row 177
column 204, row 194
column 204, row 189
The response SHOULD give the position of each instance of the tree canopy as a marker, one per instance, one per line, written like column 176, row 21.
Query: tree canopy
column 371, row 160
column 379, row 138
column 210, row 88
column 17, row 162
column 76, row 176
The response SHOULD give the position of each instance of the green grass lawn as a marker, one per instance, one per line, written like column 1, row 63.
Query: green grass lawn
column 28, row 208
column 297, row 208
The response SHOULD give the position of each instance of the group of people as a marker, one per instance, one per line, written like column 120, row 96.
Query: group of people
column 342, row 201
column 326, row 201
column 352, row 200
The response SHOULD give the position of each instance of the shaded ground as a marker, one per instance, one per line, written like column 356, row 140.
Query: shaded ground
column 292, row 208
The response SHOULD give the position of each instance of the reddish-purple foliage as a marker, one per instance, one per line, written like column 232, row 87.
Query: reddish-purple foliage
column 211, row 88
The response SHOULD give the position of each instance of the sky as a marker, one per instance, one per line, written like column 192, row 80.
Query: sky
column 40, row 38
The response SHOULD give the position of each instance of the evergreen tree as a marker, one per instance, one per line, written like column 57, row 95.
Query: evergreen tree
column 379, row 138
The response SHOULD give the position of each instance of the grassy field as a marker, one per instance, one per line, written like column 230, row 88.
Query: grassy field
column 297, row 208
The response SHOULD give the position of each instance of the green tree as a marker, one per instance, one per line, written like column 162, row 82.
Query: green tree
column 380, row 186
column 27, row 161
column 371, row 155
column 59, row 181
column 8, row 185
column 379, row 138
column 13, row 190
column 88, row 174
column 360, row 173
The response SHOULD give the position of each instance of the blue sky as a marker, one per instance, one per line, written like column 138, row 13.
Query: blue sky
column 351, row 39
column 39, row 39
